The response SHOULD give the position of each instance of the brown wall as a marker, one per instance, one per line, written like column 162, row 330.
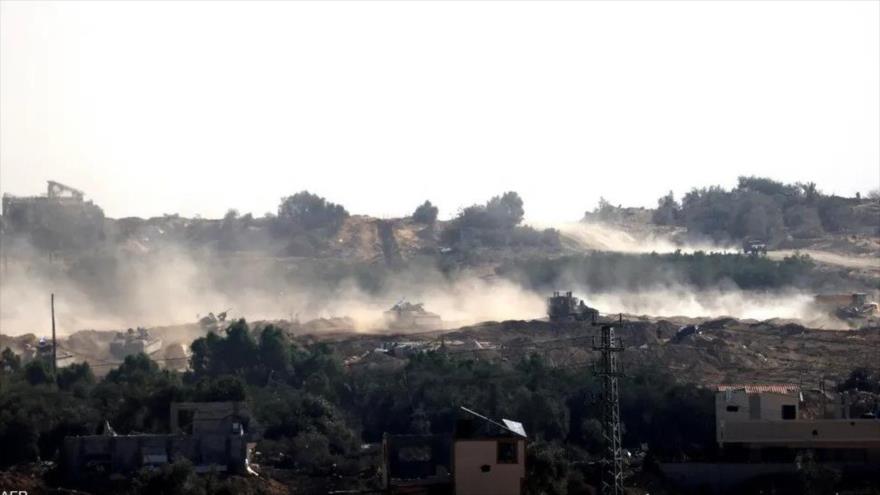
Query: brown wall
column 501, row 479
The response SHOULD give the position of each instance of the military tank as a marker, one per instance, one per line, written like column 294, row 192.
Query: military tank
column 407, row 315
column 566, row 307
column 134, row 342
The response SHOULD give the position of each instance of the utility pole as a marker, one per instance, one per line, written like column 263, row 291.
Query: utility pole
column 607, row 369
column 54, row 342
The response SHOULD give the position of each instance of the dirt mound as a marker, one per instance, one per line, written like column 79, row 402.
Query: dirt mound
column 319, row 325
column 709, row 352
column 358, row 239
column 90, row 343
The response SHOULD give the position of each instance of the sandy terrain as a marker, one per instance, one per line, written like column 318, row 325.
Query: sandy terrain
column 870, row 263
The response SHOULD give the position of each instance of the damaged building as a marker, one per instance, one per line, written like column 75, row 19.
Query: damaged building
column 762, row 420
column 763, row 430
column 59, row 221
column 481, row 456
column 213, row 436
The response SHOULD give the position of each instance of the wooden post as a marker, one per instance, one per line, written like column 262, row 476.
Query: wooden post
column 54, row 343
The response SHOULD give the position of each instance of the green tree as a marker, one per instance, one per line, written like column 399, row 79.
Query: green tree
column 275, row 351
column 548, row 469
column 667, row 211
column 803, row 221
column 426, row 213
column 75, row 375
column 135, row 370
column 500, row 212
column 310, row 211
column 178, row 478
column 506, row 211
column 223, row 388
column 10, row 362
column 864, row 379
column 38, row 372
column 137, row 395
column 234, row 353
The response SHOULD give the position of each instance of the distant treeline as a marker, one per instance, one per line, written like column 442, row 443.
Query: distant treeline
column 305, row 224
column 607, row 271
column 761, row 208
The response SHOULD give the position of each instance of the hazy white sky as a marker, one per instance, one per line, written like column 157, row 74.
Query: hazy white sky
column 160, row 107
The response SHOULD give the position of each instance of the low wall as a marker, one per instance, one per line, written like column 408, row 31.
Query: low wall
column 822, row 433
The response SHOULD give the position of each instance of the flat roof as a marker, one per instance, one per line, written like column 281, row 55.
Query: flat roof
column 760, row 388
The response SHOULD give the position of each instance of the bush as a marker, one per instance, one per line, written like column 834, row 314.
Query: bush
column 426, row 213
column 500, row 212
column 178, row 478
column 310, row 211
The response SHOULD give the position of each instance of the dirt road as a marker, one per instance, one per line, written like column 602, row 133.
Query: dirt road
column 870, row 263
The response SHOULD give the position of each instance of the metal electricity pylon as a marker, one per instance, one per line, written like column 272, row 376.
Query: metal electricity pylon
column 608, row 371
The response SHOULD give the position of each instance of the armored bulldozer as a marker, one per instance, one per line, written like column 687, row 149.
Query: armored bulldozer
column 566, row 307
column 134, row 342
column 406, row 315
column 847, row 306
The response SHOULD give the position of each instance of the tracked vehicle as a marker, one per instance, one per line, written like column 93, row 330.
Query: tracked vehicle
column 566, row 307
column 407, row 315
column 134, row 342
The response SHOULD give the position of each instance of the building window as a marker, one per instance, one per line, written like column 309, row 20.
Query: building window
column 789, row 412
column 507, row 452
column 732, row 408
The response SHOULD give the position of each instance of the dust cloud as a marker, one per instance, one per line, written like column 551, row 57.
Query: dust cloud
column 694, row 303
column 597, row 236
column 462, row 301
column 171, row 286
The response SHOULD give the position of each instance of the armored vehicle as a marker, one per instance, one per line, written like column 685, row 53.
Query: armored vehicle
column 406, row 315
column 566, row 307
column 754, row 247
column 847, row 306
column 134, row 342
